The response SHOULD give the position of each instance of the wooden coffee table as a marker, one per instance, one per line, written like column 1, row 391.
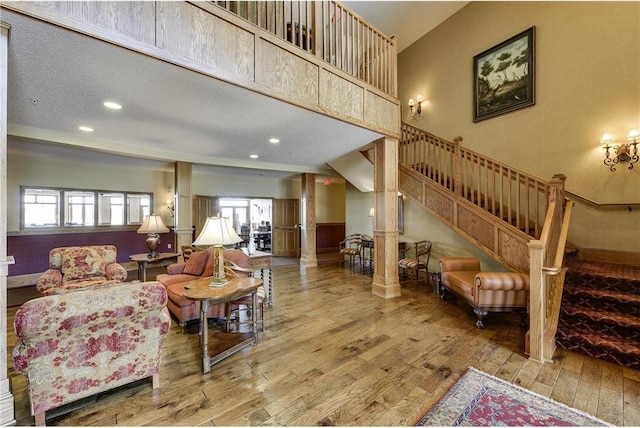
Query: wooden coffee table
column 237, row 287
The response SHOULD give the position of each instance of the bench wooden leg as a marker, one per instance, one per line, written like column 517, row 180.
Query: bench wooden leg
column 40, row 420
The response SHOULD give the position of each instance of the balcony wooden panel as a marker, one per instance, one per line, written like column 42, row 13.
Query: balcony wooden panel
column 208, row 39
column 286, row 73
column 341, row 95
column 381, row 111
column 133, row 19
column 203, row 37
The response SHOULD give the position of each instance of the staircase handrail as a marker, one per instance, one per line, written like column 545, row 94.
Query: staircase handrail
column 513, row 195
column 331, row 32
column 562, row 242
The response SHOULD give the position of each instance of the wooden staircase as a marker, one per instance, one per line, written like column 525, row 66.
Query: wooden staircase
column 516, row 218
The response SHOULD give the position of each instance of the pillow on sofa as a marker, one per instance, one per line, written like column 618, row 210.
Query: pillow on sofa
column 196, row 263
column 81, row 262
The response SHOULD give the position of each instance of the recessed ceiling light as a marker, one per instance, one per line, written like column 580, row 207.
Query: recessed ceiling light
column 85, row 128
column 112, row 105
column 274, row 140
column 253, row 156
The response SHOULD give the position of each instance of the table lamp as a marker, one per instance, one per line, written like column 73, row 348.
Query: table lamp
column 152, row 226
column 217, row 231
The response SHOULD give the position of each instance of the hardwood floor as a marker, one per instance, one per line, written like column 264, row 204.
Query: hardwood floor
column 333, row 354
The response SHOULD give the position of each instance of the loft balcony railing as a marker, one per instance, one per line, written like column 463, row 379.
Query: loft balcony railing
column 514, row 196
column 329, row 31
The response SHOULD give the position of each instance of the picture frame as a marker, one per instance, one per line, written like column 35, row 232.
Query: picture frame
column 504, row 76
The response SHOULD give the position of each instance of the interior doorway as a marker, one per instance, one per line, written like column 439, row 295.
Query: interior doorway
column 251, row 220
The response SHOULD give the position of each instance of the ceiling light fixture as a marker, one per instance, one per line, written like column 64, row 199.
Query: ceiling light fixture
column 85, row 128
column 112, row 105
column 253, row 156
column 274, row 140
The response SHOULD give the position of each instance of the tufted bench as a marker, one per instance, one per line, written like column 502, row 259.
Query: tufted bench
column 484, row 291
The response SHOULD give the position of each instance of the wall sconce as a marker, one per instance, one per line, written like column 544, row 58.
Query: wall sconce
column 171, row 206
column 417, row 105
column 624, row 152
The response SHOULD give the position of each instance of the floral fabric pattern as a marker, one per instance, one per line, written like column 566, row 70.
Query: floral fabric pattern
column 75, row 345
column 72, row 268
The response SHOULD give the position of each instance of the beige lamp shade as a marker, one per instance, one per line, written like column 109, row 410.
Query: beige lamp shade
column 153, row 224
column 217, row 231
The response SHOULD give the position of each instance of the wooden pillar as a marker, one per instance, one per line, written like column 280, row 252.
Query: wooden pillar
column 183, row 221
column 7, row 414
column 385, row 233
column 308, row 256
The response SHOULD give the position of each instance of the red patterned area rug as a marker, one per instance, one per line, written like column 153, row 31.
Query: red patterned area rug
column 479, row 399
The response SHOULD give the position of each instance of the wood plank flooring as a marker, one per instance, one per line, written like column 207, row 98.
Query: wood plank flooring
column 333, row 354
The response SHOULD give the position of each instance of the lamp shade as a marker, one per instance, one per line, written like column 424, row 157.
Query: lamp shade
column 153, row 224
column 217, row 231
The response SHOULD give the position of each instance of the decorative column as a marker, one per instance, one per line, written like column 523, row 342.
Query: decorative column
column 308, row 256
column 183, row 221
column 385, row 232
column 7, row 412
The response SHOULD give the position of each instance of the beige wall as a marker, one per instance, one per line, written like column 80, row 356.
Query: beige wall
column 25, row 170
column 40, row 171
column 587, row 83
column 330, row 203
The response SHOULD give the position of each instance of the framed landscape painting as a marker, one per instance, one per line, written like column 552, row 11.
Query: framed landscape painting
column 503, row 76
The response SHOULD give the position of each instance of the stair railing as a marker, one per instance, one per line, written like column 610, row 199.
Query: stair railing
column 506, row 192
column 331, row 32
column 546, row 274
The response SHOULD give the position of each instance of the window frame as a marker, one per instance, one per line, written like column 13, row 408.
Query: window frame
column 62, row 215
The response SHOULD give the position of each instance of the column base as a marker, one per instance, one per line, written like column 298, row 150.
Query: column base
column 309, row 262
column 7, row 411
column 387, row 290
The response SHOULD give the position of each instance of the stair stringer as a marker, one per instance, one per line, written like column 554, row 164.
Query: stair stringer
column 498, row 239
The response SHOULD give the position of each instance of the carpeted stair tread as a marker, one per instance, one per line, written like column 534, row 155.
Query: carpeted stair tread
column 632, row 299
column 607, row 270
column 602, row 316
column 616, row 350
column 611, row 300
column 600, row 312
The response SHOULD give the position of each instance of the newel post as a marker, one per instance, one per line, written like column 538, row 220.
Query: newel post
column 457, row 165
column 537, row 301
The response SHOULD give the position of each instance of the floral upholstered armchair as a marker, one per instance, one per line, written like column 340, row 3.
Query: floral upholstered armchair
column 74, row 345
column 72, row 268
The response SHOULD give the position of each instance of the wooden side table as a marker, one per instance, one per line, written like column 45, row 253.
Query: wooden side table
column 144, row 261
column 199, row 289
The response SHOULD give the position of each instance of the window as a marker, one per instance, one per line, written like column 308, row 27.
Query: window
column 79, row 208
column 46, row 207
column 41, row 207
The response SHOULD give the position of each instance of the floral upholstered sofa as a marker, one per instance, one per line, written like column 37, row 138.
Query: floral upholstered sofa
column 74, row 345
column 71, row 268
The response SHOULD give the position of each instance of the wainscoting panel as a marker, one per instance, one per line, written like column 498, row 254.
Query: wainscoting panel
column 328, row 236
column 31, row 252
